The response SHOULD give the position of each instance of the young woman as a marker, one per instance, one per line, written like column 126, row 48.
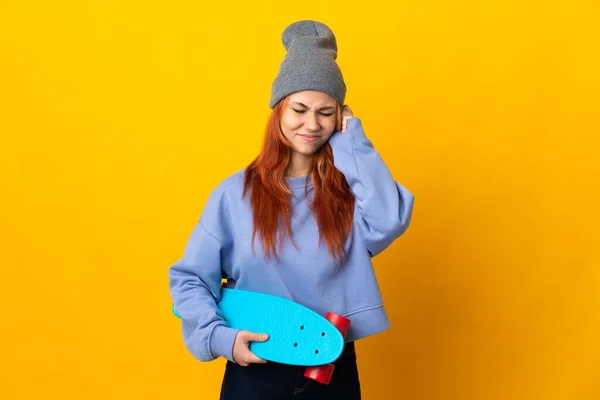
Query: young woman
column 302, row 221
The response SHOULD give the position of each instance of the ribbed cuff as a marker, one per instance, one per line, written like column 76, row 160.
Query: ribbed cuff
column 221, row 342
column 354, row 130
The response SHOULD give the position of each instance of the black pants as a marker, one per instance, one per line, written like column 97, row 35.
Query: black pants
column 273, row 381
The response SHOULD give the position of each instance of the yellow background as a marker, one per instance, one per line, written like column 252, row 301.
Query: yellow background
column 117, row 118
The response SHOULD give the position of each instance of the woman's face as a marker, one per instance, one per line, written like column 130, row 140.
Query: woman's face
column 309, row 120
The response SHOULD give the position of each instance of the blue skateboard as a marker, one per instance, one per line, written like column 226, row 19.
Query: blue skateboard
column 297, row 335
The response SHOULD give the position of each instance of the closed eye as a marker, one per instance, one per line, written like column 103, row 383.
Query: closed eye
column 303, row 111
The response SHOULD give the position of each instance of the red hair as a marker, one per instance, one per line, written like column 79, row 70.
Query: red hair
column 332, row 205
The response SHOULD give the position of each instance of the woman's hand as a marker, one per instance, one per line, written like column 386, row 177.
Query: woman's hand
column 346, row 115
column 241, row 352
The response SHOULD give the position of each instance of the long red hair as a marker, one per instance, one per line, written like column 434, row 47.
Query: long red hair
column 270, row 199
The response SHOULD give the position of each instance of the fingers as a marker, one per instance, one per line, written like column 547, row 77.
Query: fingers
column 346, row 111
column 345, row 123
column 242, row 354
column 255, row 337
column 247, row 357
column 242, row 361
column 346, row 115
column 253, row 359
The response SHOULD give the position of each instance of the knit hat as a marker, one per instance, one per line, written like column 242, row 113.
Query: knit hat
column 309, row 63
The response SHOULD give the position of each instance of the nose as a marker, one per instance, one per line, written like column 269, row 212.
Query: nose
column 312, row 122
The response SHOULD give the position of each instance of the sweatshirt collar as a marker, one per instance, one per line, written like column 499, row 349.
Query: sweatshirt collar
column 299, row 182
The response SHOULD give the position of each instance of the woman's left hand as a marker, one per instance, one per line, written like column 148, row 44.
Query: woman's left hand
column 346, row 115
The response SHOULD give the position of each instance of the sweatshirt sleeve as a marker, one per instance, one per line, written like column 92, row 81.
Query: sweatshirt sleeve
column 384, row 205
column 195, row 282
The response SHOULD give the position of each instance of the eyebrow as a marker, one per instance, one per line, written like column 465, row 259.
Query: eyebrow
column 320, row 109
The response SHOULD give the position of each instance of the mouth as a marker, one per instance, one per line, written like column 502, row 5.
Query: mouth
column 309, row 138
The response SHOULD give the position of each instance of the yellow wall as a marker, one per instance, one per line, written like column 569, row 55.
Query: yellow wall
column 118, row 118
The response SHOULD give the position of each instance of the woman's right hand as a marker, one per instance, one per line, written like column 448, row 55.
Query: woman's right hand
column 241, row 351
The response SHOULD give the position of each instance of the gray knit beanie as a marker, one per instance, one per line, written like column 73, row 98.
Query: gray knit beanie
column 309, row 63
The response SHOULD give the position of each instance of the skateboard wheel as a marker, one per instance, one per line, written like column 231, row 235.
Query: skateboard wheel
column 320, row 373
column 342, row 323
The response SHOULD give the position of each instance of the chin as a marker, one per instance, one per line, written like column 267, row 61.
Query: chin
column 307, row 150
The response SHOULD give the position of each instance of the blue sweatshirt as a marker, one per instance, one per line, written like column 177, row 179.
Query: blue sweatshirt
column 220, row 247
